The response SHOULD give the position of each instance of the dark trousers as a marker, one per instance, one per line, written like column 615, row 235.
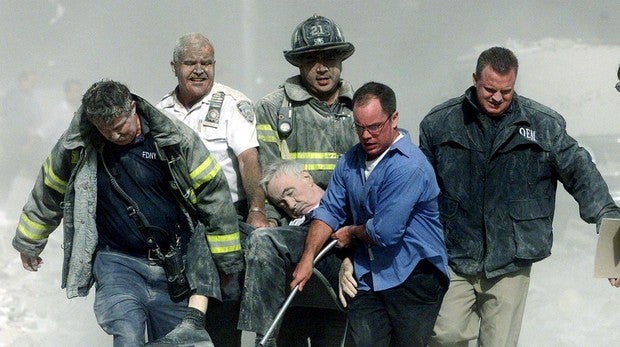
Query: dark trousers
column 324, row 327
column 400, row 316
column 223, row 316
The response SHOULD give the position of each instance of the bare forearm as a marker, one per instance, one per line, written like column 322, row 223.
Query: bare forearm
column 318, row 234
column 359, row 232
column 250, row 178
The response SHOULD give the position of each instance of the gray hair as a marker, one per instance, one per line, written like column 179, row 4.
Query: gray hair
column 187, row 41
column 279, row 168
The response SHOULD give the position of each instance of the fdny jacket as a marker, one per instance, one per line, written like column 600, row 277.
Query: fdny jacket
column 66, row 188
column 497, row 201
column 319, row 134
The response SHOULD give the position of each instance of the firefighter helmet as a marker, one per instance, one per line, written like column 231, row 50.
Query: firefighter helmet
column 317, row 33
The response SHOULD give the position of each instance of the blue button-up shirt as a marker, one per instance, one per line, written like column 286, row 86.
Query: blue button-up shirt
column 398, row 206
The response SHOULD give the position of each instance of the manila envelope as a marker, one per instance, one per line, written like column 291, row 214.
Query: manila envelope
column 607, row 259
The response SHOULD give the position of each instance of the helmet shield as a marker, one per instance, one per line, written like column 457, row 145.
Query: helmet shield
column 315, row 34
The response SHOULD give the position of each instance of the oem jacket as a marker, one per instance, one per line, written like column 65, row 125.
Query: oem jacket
column 497, row 200
column 67, row 189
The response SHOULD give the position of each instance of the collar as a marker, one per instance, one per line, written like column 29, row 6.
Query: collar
column 171, row 99
column 512, row 114
column 295, row 90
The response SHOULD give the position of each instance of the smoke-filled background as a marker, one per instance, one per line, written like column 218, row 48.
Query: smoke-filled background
column 426, row 51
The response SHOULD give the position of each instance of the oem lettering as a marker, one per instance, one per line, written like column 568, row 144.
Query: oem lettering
column 528, row 133
column 149, row 155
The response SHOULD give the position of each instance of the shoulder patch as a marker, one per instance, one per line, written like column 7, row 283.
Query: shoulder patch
column 245, row 107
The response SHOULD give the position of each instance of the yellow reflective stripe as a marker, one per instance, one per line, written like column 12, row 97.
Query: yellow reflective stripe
column 314, row 161
column 316, row 167
column 265, row 133
column 33, row 230
column 224, row 243
column 267, row 138
column 226, row 249
column 204, row 172
column 51, row 180
column 192, row 197
column 314, row 155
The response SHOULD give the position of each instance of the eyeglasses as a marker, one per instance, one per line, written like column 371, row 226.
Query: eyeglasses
column 618, row 86
column 373, row 129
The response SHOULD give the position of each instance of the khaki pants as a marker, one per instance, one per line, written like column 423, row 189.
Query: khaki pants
column 488, row 309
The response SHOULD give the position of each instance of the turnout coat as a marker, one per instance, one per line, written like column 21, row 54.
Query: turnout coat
column 66, row 188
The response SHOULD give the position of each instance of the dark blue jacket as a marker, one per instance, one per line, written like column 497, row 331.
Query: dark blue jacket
column 497, row 201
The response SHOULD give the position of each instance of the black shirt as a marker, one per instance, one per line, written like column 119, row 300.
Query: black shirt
column 145, row 178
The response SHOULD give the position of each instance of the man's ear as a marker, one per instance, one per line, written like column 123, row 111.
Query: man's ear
column 173, row 69
column 307, row 176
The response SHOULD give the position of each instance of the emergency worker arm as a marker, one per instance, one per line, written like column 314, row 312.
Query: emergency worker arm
column 425, row 144
column 267, row 131
column 43, row 211
column 397, row 195
column 241, row 138
column 318, row 234
column 31, row 263
column 347, row 235
column 582, row 180
column 250, row 175
column 210, row 196
column 266, row 111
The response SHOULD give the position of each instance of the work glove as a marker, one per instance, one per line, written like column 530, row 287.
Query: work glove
column 189, row 333
column 346, row 281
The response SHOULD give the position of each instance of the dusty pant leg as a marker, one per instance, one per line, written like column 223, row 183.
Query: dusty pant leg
column 501, row 302
column 458, row 320
column 270, row 251
column 120, row 298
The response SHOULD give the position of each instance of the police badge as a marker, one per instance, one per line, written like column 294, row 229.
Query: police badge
column 212, row 118
column 245, row 107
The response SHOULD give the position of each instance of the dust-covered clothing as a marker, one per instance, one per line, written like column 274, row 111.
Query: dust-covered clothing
column 498, row 178
column 270, row 257
column 319, row 133
column 403, row 275
column 67, row 189
column 498, row 192
column 397, row 204
column 224, row 120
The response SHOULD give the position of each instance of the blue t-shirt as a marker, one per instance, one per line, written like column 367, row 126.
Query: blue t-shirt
column 144, row 177
column 397, row 204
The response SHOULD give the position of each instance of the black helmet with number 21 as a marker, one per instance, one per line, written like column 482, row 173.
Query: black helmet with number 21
column 315, row 34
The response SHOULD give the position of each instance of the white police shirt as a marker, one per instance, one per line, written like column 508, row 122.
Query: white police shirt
column 226, row 135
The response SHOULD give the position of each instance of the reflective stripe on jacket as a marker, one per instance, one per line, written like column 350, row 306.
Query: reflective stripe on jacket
column 66, row 188
column 320, row 133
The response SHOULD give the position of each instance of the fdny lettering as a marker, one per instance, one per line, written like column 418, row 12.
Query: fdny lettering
column 528, row 134
column 149, row 155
